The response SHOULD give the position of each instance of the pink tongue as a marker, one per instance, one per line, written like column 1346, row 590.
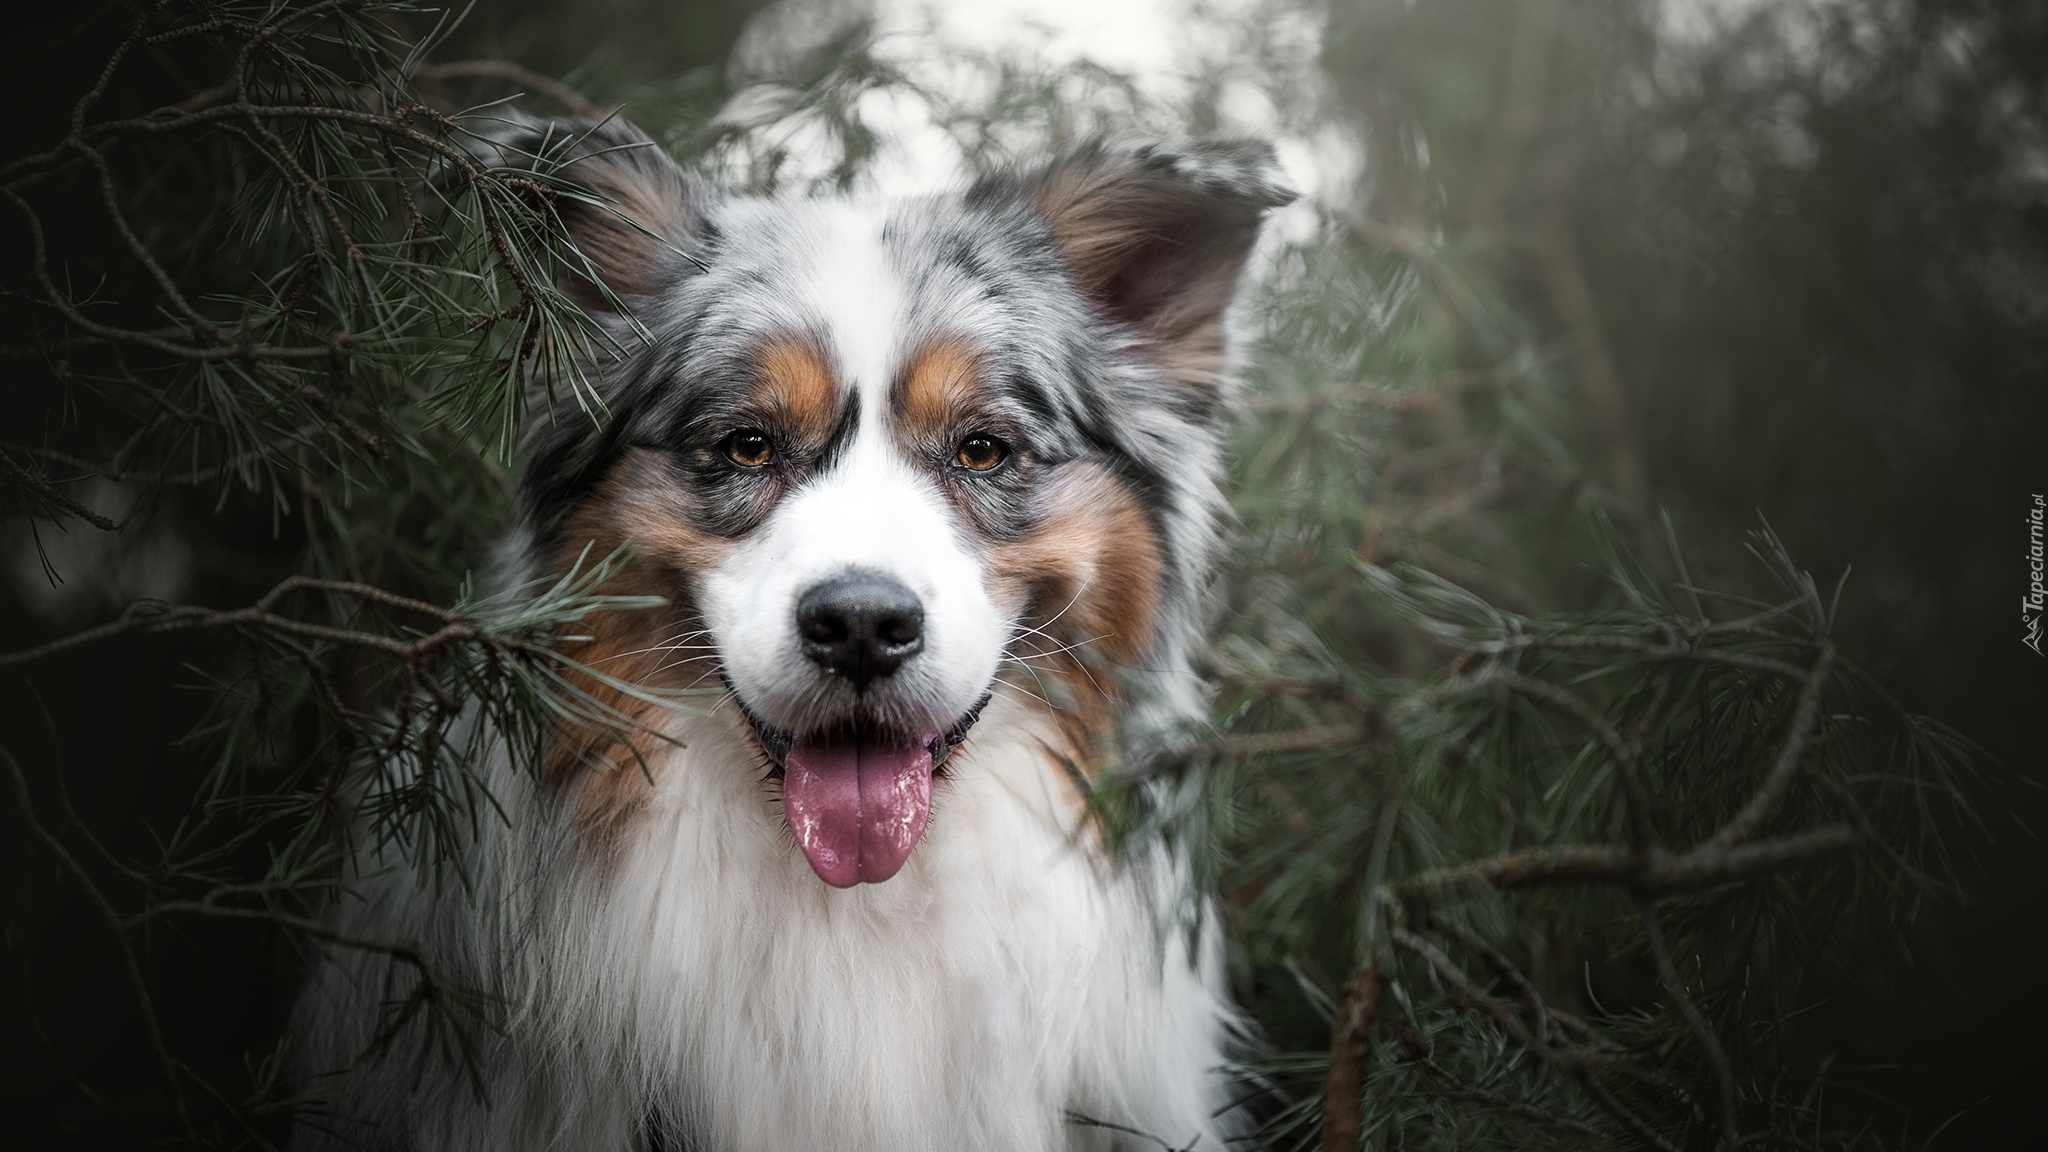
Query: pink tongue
column 857, row 805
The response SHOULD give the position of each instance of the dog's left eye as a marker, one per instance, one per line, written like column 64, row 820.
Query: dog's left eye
column 749, row 448
column 981, row 453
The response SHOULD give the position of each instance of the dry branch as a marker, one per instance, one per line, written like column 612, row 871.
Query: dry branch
column 1350, row 1056
column 1655, row 873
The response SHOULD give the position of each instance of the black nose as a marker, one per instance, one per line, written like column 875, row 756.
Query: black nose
column 860, row 625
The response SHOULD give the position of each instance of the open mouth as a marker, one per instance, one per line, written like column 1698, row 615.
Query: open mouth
column 857, row 797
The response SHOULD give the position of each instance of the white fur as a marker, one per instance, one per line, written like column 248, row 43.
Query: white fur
column 1006, row 977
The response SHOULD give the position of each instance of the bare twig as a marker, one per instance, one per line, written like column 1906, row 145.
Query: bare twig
column 1744, row 660
column 1458, row 1086
column 1606, row 1098
column 405, row 951
column 1805, row 715
column 1509, row 971
column 506, row 70
column 1350, row 1056
column 1472, row 996
column 1624, row 756
column 145, row 1003
column 151, row 618
column 1299, row 740
column 1724, row 1076
column 1086, row 1121
column 113, row 469
column 58, row 299
column 1657, row 873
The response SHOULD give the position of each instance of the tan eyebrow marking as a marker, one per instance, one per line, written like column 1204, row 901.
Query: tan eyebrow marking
column 938, row 388
column 795, row 383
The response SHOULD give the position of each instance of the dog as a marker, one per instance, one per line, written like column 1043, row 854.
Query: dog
column 929, row 490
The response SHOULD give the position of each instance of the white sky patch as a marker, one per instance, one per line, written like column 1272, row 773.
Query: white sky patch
column 1163, row 47
column 1688, row 22
column 1134, row 36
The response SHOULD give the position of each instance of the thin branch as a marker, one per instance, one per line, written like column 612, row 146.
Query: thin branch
column 1458, row 1086
column 547, row 86
column 145, row 1003
column 1298, row 740
column 110, row 197
column 1472, row 996
column 151, row 618
column 44, row 490
column 1634, row 1123
column 1637, row 799
column 406, row 951
column 1659, row 872
column 1804, row 716
column 1350, row 1057
column 1724, row 1076
column 1744, row 660
column 1086, row 1121
column 113, row 469
column 59, row 300
column 1509, row 971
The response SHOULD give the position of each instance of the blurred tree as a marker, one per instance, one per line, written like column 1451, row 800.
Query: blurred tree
column 1787, row 259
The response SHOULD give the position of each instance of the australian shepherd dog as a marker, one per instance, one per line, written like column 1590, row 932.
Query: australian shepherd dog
column 929, row 491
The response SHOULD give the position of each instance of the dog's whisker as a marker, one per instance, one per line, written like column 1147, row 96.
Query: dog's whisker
column 1058, row 646
column 1082, row 665
column 670, row 644
column 1025, row 660
column 1037, row 677
column 1071, row 601
column 673, row 664
column 664, row 647
column 1062, row 649
column 1016, row 687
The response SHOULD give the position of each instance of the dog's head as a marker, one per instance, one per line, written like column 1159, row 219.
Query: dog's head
column 873, row 452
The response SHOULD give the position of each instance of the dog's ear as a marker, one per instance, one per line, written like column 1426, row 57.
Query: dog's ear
column 627, row 207
column 1157, row 236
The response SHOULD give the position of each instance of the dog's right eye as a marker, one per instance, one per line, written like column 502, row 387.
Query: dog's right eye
column 981, row 453
column 748, row 447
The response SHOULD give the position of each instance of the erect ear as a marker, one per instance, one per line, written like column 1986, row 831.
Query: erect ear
column 625, row 204
column 1157, row 236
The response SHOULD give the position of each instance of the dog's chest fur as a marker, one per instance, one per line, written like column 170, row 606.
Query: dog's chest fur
column 1004, row 977
column 701, row 989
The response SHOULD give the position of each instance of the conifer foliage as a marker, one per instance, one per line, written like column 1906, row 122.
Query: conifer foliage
column 1494, row 876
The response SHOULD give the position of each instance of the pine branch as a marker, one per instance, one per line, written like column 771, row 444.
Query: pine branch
column 1616, row 693
column 1657, row 873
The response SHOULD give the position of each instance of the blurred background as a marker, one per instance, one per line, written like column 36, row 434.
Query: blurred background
column 1559, row 263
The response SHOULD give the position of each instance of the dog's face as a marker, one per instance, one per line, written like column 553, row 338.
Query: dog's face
column 876, row 454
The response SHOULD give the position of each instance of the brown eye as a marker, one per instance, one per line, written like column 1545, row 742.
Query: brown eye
column 749, row 448
column 981, row 453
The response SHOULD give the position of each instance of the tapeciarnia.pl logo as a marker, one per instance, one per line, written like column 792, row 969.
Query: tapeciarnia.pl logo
column 2031, row 607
